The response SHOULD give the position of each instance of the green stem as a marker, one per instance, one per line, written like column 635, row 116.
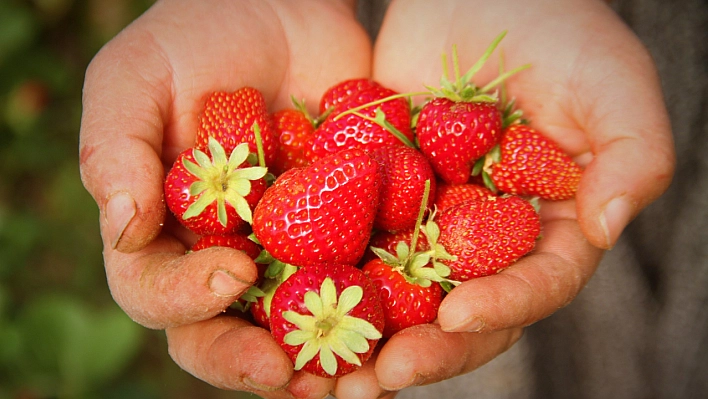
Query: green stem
column 419, row 221
column 388, row 126
column 259, row 144
column 381, row 101
column 501, row 78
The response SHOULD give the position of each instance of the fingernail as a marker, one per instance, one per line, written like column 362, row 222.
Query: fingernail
column 257, row 386
column 614, row 219
column 415, row 380
column 223, row 283
column 474, row 324
column 120, row 210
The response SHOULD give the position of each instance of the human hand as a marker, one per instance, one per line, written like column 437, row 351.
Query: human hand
column 142, row 94
column 593, row 89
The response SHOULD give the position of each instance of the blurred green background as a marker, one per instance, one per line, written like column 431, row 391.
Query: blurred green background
column 61, row 334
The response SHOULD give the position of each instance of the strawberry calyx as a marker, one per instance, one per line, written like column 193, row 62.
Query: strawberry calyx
column 420, row 267
column 223, row 180
column 329, row 330
column 461, row 88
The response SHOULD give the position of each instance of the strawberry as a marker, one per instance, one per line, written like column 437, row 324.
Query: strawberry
column 360, row 129
column 529, row 164
column 388, row 241
column 320, row 213
column 235, row 241
column 454, row 134
column 448, row 195
column 487, row 235
column 404, row 171
column 340, row 91
column 275, row 274
column 292, row 128
column 409, row 281
column 232, row 117
column 405, row 303
column 213, row 194
column 327, row 318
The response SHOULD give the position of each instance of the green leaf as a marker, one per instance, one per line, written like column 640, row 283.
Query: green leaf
column 350, row 297
column 328, row 361
column 309, row 350
column 386, row 257
column 360, row 326
column 302, row 322
column 314, row 304
column 298, row 337
column 198, row 206
column 340, row 347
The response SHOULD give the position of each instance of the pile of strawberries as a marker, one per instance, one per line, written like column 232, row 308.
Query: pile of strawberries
column 362, row 218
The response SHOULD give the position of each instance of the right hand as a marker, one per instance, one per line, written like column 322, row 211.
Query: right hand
column 142, row 94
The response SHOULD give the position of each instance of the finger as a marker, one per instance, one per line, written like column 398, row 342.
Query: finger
column 161, row 287
column 531, row 289
column 229, row 353
column 121, row 135
column 438, row 355
column 361, row 384
column 633, row 153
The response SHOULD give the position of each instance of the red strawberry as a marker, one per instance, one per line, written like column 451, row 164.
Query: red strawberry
column 448, row 195
column 409, row 281
column 462, row 123
column 454, row 134
column 405, row 302
column 321, row 213
column 213, row 194
column 260, row 308
column 235, row 241
column 293, row 128
column 487, row 235
column 404, row 171
column 350, row 130
column 530, row 164
column 388, row 241
column 327, row 318
column 231, row 118
column 339, row 92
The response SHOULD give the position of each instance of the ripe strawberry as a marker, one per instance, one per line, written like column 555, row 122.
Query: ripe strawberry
column 213, row 194
column 448, row 195
column 327, row 318
column 274, row 276
column 409, row 282
column 351, row 130
column 454, row 134
column 405, row 302
column 321, row 213
column 388, row 241
column 340, row 91
column 487, row 235
column 404, row 171
column 231, row 117
column 529, row 164
column 293, row 128
column 235, row 241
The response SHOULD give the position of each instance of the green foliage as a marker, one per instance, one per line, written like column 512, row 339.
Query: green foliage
column 61, row 334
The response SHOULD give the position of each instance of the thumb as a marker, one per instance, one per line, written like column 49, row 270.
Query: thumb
column 634, row 160
column 120, row 142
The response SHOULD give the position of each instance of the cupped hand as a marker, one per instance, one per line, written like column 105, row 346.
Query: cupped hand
column 142, row 94
column 593, row 89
